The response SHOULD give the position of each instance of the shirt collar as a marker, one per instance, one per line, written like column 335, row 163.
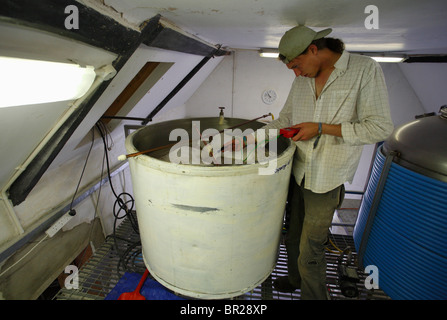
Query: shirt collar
column 342, row 63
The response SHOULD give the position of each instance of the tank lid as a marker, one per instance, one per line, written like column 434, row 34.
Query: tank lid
column 422, row 144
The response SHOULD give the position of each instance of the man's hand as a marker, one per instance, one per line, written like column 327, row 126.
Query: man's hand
column 308, row 130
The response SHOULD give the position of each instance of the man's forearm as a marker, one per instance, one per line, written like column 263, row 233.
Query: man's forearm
column 331, row 129
column 308, row 130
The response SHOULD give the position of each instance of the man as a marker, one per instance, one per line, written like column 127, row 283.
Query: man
column 339, row 103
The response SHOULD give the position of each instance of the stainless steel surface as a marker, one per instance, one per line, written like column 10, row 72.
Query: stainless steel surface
column 422, row 146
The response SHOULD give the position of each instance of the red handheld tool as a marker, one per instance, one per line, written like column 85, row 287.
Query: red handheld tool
column 288, row 132
column 135, row 295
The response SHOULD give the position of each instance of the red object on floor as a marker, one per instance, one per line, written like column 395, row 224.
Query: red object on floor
column 135, row 295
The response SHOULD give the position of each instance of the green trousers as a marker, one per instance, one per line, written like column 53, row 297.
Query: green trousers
column 310, row 219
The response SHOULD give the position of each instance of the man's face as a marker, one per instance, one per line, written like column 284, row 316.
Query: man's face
column 306, row 64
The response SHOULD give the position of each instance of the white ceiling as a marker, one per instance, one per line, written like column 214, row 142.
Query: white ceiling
column 412, row 26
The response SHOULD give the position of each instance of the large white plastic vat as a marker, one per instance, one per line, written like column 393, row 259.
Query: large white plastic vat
column 208, row 232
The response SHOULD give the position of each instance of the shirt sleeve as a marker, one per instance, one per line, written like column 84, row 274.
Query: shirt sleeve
column 373, row 122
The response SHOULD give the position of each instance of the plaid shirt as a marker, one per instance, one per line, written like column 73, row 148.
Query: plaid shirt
column 355, row 96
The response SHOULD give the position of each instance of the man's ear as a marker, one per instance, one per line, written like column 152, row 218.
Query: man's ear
column 312, row 49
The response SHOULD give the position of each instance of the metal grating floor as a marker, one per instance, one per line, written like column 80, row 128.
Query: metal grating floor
column 104, row 269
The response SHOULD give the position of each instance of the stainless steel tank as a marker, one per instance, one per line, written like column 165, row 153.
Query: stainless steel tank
column 402, row 223
column 422, row 145
column 207, row 231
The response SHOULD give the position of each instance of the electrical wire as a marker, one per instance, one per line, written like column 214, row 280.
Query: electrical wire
column 15, row 263
column 123, row 205
column 338, row 250
column 122, row 208
column 72, row 212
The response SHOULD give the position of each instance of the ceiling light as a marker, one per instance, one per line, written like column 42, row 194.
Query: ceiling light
column 388, row 59
column 268, row 53
column 25, row 82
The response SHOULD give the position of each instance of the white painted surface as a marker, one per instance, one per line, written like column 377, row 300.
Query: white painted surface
column 404, row 25
column 428, row 81
column 207, row 232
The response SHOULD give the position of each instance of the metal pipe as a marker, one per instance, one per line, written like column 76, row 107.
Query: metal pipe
column 182, row 83
column 123, row 118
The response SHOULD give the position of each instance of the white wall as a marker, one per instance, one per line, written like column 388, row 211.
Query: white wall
column 429, row 83
column 215, row 91
column 237, row 84
column 239, row 80
column 405, row 104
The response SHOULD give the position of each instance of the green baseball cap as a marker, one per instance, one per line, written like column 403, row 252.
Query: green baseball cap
column 296, row 40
